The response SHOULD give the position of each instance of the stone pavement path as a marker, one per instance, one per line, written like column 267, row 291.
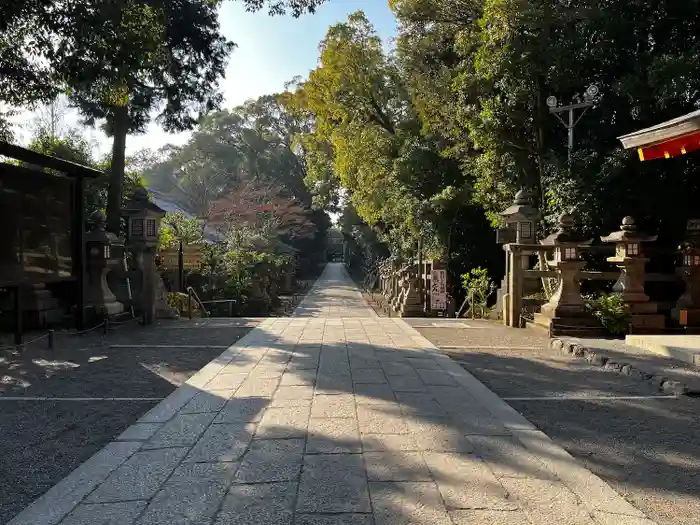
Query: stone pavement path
column 332, row 417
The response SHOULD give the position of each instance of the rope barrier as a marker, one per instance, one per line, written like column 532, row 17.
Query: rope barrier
column 51, row 335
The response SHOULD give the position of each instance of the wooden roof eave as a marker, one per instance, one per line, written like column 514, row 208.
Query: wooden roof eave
column 47, row 161
column 660, row 133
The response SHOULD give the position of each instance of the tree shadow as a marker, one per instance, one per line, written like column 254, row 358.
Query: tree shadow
column 261, row 451
column 645, row 448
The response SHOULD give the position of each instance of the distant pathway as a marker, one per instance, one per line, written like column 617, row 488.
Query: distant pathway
column 332, row 417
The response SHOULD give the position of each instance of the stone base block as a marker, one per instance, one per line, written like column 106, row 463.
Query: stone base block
column 582, row 325
column 640, row 323
column 102, row 309
column 643, row 308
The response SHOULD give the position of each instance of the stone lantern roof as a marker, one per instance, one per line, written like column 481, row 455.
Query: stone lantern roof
column 628, row 233
column 522, row 208
column 566, row 233
column 140, row 201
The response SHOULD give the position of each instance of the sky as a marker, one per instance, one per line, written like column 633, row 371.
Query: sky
column 270, row 52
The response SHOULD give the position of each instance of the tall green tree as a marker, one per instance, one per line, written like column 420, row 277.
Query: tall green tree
column 121, row 61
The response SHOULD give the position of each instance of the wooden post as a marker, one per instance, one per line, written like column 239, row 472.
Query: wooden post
column 180, row 270
column 19, row 329
column 79, row 250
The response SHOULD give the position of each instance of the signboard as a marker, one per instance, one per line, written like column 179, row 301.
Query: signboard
column 191, row 257
column 438, row 289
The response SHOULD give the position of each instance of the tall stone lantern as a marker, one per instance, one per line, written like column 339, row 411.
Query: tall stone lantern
column 100, row 261
column 520, row 220
column 629, row 258
column 687, row 309
column 566, row 300
column 143, row 222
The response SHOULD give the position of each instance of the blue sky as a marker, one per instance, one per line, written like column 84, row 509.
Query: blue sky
column 271, row 51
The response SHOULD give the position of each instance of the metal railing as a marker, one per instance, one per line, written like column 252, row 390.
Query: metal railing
column 191, row 294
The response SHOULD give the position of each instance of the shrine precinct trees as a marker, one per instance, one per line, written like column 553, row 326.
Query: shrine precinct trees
column 123, row 63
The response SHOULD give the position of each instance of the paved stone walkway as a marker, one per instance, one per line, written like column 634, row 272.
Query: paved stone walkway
column 332, row 417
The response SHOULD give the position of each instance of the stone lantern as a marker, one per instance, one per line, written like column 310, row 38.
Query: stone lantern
column 143, row 222
column 629, row 258
column 566, row 307
column 687, row 309
column 520, row 220
column 100, row 262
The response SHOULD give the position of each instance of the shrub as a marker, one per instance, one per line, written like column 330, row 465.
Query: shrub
column 179, row 301
column 479, row 288
column 610, row 310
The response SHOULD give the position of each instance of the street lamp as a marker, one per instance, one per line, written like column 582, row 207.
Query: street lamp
column 591, row 97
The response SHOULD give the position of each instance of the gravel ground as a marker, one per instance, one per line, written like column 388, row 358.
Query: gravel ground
column 647, row 449
column 43, row 441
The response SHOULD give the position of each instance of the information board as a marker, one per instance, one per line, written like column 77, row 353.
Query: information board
column 438, row 290
column 191, row 257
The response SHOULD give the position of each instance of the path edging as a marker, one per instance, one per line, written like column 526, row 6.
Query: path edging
column 601, row 358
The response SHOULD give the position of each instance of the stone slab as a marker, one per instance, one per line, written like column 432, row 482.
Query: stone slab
column 139, row 432
column 260, row 504
column 191, row 496
column 280, row 423
column 222, row 443
column 270, row 461
column 243, row 410
column 466, row 482
column 181, row 431
column 333, row 483
column 140, row 477
column 333, row 436
column 122, row 513
column 339, row 406
column 396, row 466
column 407, row 504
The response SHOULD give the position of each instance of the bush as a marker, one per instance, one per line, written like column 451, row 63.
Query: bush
column 179, row 301
column 611, row 311
column 479, row 288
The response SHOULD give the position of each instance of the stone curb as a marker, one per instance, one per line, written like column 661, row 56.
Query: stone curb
column 602, row 359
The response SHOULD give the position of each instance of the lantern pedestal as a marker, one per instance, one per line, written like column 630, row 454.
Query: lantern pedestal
column 99, row 298
column 411, row 304
column 565, row 313
column 630, row 285
column 687, row 310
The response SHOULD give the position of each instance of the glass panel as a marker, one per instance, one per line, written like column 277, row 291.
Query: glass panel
column 570, row 254
column 633, row 249
column 137, row 227
column 526, row 230
column 150, row 228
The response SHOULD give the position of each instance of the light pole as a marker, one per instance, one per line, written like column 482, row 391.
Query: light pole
column 591, row 97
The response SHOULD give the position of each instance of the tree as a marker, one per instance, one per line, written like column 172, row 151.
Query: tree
column 120, row 61
column 257, row 216
column 179, row 227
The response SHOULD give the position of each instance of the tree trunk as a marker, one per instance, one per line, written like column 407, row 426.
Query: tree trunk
column 116, row 174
